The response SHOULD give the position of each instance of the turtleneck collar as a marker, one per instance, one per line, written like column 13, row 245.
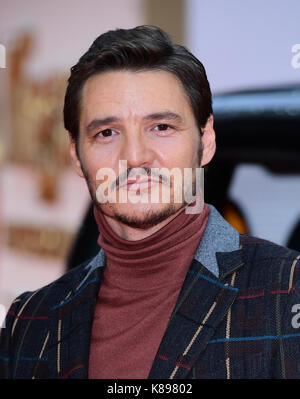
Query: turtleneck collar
column 159, row 259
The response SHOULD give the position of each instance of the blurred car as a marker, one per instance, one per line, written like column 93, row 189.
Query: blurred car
column 258, row 127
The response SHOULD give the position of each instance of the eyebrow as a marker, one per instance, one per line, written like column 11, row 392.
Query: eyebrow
column 168, row 116
column 97, row 123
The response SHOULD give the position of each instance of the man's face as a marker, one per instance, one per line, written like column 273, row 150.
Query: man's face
column 145, row 119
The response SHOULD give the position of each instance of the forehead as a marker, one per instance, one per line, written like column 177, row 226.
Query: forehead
column 135, row 94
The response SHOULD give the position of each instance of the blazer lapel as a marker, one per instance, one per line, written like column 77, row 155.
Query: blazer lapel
column 70, row 329
column 202, row 304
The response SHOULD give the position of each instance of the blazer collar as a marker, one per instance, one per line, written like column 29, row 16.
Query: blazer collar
column 219, row 239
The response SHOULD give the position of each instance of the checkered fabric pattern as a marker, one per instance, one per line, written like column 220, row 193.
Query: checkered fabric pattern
column 242, row 324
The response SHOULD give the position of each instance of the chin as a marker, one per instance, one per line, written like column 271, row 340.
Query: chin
column 140, row 215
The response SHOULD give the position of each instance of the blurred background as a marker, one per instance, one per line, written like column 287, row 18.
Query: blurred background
column 251, row 52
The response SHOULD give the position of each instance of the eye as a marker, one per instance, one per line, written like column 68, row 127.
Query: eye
column 162, row 127
column 106, row 133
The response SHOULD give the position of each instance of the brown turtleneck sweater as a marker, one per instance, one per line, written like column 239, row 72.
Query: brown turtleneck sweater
column 140, row 285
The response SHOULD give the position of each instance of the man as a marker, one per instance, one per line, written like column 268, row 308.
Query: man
column 175, row 291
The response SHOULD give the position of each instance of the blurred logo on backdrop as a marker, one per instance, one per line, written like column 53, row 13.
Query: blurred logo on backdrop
column 2, row 56
column 2, row 316
column 296, row 58
column 36, row 142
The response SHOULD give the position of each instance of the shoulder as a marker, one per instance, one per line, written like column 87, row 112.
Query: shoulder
column 31, row 315
column 262, row 244
column 49, row 295
column 277, row 264
column 256, row 249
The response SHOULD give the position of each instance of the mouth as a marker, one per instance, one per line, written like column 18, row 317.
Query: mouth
column 140, row 184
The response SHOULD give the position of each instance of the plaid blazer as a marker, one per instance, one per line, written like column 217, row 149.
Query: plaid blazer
column 241, row 323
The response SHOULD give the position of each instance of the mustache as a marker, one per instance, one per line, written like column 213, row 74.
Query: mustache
column 147, row 171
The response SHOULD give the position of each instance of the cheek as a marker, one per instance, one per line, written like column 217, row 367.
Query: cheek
column 96, row 158
column 193, row 150
column 91, row 166
column 181, row 153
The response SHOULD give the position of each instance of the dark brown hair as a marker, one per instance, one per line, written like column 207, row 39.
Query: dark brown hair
column 138, row 49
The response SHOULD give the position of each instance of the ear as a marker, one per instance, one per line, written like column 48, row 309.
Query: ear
column 208, row 139
column 74, row 158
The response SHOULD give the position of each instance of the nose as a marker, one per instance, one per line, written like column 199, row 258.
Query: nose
column 136, row 150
